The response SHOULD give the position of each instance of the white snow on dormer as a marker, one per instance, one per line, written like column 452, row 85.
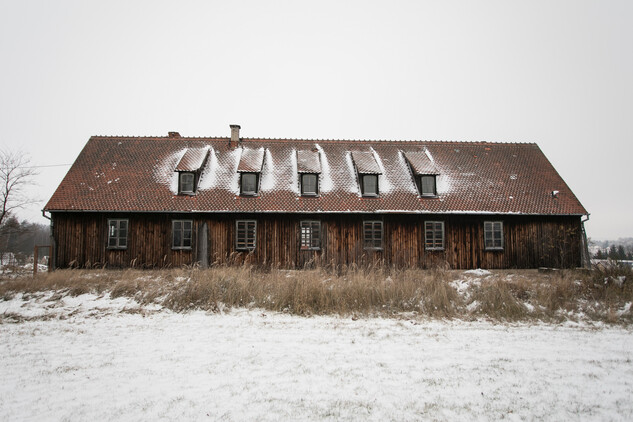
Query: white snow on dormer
column 294, row 182
column 428, row 154
column 325, row 183
column 164, row 170
column 384, row 186
column 353, row 186
column 209, row 176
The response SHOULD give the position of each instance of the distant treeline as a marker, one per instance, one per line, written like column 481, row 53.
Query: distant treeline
column 17, row 239
column 619, row 252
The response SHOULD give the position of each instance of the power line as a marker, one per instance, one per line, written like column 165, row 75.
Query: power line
column 47, row 165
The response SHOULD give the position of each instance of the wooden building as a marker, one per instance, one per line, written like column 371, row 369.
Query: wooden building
column 172, row 201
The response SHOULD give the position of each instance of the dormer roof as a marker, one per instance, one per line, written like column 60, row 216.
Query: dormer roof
column 365, row 162
column 308, row 161
column 193, row 159
column 421, row 162
column 251, row 160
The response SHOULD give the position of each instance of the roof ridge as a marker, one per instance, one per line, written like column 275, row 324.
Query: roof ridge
column 261, row 139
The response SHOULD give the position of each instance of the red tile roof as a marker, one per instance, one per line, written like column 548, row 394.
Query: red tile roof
column 193, row 159
column 138, row 174
column 308, row 161
column 365, row 162
column 251, row 160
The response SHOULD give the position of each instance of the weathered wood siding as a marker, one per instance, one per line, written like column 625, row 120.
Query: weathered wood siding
column 529, row 241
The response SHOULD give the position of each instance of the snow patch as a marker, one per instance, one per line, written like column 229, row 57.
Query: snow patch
column 326, row 183
column 208, row 177
column 478, row 272
column 384, row 185
column 268, row 177
column 352, row 187
column 164, row 171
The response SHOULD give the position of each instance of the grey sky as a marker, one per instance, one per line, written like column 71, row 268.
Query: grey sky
column 558, row 73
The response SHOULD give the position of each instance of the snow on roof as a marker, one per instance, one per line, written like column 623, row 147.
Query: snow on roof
column 308, row 161
column 193, row 159
column 251, row 160
column 365, row 162
column 471, row 177
column 421, row 162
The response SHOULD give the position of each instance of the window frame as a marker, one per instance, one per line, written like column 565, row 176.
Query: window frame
column 362, row 184
column 309, row 241
column 182, row 230
column 373, row 239
column 246, row 245
column 316, row 186
column 421, row 185
column 433, row 239
column 490, row 228
column 249, row 193
column 118, row 237
column 181, row 191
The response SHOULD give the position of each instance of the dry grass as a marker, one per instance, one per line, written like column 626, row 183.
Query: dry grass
column 503, row 295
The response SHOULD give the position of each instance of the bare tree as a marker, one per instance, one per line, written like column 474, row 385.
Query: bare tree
column 16, row 173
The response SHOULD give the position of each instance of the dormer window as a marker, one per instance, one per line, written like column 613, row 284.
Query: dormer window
column 368, row 170
column 187, row 182
column 250, row 169
column 189, row 169
column 426, row 185
column 249, row 184
column 424, row 171
column 369, row 184
column 309, row 184
column 309, row 168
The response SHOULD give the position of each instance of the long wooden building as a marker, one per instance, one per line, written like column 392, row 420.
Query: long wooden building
column 172, row 201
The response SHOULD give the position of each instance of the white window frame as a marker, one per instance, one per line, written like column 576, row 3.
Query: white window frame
column 249, row 193
column 310, row 235
column 422, row 192
column 181, row 184
column 373, row 243
column 434, row 242
column 182, row 244
column 249, row 228
column 114, row 233
column 363, row 187
column 492, row 242
column 316, row 186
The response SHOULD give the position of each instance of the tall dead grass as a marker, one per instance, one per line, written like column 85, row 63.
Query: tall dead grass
column 373, row 290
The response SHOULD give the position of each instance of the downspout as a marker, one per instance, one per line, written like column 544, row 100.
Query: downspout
column 53, row 248
column 586, row 258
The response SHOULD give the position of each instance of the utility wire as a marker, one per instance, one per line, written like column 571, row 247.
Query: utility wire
column 47, row 165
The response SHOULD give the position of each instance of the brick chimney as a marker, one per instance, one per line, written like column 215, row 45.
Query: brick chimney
column 235, row 136
column 174, row 134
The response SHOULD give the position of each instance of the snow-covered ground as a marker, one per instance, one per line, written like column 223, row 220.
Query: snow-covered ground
column 95, row 358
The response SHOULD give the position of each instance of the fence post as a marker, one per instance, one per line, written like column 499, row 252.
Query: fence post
column 35, row 259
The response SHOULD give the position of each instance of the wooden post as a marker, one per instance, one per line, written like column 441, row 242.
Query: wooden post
column 35, row 259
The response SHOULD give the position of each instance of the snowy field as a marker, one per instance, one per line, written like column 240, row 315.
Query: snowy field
column 92, row 358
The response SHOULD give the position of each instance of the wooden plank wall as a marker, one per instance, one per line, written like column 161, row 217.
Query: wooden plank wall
column 530, row 241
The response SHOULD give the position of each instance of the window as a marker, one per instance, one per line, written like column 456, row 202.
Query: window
column 372, row 234
column 369, row 184
column 309, row 184
column 181, row 234
column 117, row 234
column 246, row 234
column 433, row 235
column 427, row 186
column 311, row 235
column 187, row 182
column 493, row 234
column 249, row 184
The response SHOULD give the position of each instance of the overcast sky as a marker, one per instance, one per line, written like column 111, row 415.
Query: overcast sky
column 558, row 73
